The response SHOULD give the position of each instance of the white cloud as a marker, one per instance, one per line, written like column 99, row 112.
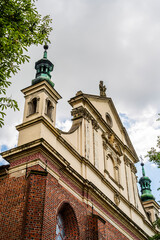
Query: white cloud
column 143, row 130
column 64, row 125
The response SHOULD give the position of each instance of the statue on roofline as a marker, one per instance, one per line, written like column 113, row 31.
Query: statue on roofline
column 102, row 89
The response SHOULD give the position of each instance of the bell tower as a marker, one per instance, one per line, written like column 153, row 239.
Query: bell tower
column 40, row 100
column 148, row 200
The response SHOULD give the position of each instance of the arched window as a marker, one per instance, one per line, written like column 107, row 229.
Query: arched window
column 60, row 230
column 149, row 215
column 66, row 224
column 32, row 106
column 111, row 166
column 49, row 109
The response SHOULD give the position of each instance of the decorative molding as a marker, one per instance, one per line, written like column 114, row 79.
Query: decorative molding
column 118, row 161
column 106, row 171
column 95, row 149
column 105, row 145
column 116, row 167
column 127, row 161
column 37, row 172
column 87, row 141
column 118, row 149
column 133, row 168
column 119, row 185
column 109, row 139
column 83, row 112
column 117, row 198
column 95, row 124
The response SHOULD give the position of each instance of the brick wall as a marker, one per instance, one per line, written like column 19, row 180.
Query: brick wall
column 30, row 205
column 34, row 208
column 12, row 203
column 90, row 226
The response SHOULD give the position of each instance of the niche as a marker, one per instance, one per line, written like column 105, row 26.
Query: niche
column 49, row 109
column 112, row 168
column 32, row 106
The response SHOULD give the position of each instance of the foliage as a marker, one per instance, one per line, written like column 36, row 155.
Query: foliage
column 157, row 225
column 154, row 156
column 21, row 26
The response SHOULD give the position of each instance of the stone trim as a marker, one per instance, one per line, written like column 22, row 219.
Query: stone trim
column 81, row 112
column 36, row 172
column 109, row 139
column 99, row 218
column 127, row 161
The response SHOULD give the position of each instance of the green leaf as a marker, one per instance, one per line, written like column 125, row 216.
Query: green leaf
column 21, row 27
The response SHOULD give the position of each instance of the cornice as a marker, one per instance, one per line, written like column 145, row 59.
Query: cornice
column 37, row 120
column 41, row 85
column 151, row 203
column 81, row 112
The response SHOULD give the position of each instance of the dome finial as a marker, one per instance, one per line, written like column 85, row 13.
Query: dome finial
column 45, row 52
column 142, row 164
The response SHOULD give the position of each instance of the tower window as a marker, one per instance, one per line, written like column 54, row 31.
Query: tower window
column 32, row 106
column 149, row 215
column 49, row 109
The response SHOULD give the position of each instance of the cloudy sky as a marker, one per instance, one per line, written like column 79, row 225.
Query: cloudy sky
column 117, row 41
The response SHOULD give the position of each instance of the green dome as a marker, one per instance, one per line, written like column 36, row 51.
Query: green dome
column 145, row 183
column 144, row 178
column 43, row 67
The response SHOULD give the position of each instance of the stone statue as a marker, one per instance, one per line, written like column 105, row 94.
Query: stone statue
column 102, row 89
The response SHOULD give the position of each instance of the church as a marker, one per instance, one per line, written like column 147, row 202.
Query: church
column 76, row 185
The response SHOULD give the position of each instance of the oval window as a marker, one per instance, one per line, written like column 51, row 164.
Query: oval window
column 109, row 120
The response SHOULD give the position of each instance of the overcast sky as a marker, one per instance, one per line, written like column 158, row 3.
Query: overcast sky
column 117, row 41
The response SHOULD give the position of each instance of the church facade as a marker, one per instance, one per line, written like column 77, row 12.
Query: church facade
column 79, row 184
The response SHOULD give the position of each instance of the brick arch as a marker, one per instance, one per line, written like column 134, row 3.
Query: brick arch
column 70, row 221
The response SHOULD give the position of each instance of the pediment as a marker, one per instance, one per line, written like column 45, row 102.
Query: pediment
column 102, row 111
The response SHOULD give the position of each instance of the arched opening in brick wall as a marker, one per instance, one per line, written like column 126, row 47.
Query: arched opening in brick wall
column 66, row 223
